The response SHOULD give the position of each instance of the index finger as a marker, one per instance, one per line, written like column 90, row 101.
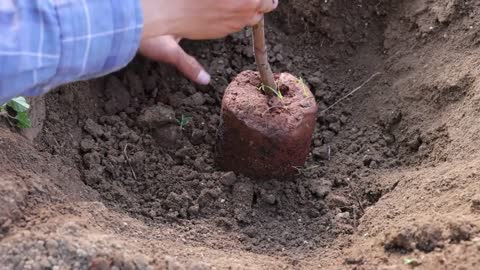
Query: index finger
column 265, row 6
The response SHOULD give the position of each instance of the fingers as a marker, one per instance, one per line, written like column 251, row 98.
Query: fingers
column 265, row 6
column 167, row 50
column 190, row 67
column 256, row 19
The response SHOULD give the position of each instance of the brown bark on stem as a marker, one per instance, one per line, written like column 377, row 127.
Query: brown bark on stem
column 261, row 57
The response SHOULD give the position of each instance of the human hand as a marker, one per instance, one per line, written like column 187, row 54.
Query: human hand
column 166, row 49
column 201, row 19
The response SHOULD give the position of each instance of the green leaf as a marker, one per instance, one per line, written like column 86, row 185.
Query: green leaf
column 184, row 121
column 304, row 87
column 19, row 104
column 412, row 262
column 23, row 120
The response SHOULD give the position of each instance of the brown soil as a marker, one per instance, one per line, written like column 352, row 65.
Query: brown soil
column 265, row 136
column 113, row 181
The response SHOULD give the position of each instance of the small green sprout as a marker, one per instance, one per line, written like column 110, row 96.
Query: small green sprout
column 411, row 262
column 304, row 87
column 184, row 121
column 20, row 106
column 264, row 87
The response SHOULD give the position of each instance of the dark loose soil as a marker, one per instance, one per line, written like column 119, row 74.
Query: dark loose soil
column 117, row 175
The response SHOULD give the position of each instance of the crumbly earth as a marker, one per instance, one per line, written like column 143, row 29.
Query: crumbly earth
column 119, row 173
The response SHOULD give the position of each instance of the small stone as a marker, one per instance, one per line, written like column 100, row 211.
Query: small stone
column 228, row 179
column 322, row 153
column 343, row 216
column 351, row 260
column 133, row 137
column 415, row 143
column 316, row 82
column 198, row 136
column 93, row 176
column 87, row 145
column 389, row 139
column 157, row 116
column 270, row 199
column 92, row 159
column 201, row 165
column 320, row 191
column 337, row 201
column 194, row 210
column 93, row 128
column 278, row 48
column 331, row 118
column 167, row 136
column 184, row 152
column 196, row 99
column 328, row 136
column 335, row 127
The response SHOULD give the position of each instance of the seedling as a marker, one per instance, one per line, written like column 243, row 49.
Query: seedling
column 278, row 142
column 184, row 121
column 19, row 108
column 304, row 87
column 265, row 87
column 411, row 262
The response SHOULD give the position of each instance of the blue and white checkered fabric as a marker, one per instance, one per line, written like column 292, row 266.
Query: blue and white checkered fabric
column 46, row 43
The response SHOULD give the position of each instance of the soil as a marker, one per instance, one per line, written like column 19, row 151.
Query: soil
column 117, row 175
column 262, row 135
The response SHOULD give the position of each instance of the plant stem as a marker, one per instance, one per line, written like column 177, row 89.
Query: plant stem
column 261, row 56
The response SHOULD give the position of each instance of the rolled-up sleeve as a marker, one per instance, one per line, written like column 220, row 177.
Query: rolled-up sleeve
column 46, row 43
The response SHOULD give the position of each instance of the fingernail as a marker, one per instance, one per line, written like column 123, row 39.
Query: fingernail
column 203, row 78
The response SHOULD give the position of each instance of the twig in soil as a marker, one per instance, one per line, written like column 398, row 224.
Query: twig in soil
column 128, row 161
column 353, row 91
column 307, row 169
column 355, row 193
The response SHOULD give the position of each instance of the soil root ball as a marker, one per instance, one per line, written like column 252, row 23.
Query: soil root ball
column 264, row 136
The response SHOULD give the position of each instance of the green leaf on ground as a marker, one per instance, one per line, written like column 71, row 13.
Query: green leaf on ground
column 184, row 121
column 19, row 104
column 411, row 262
column 23, row 120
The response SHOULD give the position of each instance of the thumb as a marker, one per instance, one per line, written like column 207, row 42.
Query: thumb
column 190, row 67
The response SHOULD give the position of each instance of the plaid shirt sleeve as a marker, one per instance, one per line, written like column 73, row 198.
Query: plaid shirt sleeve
column 46, row 43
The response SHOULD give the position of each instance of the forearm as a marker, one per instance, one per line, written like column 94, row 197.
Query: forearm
column 48, row 43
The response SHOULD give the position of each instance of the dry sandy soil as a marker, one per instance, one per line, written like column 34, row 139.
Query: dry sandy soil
column 109, row 179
